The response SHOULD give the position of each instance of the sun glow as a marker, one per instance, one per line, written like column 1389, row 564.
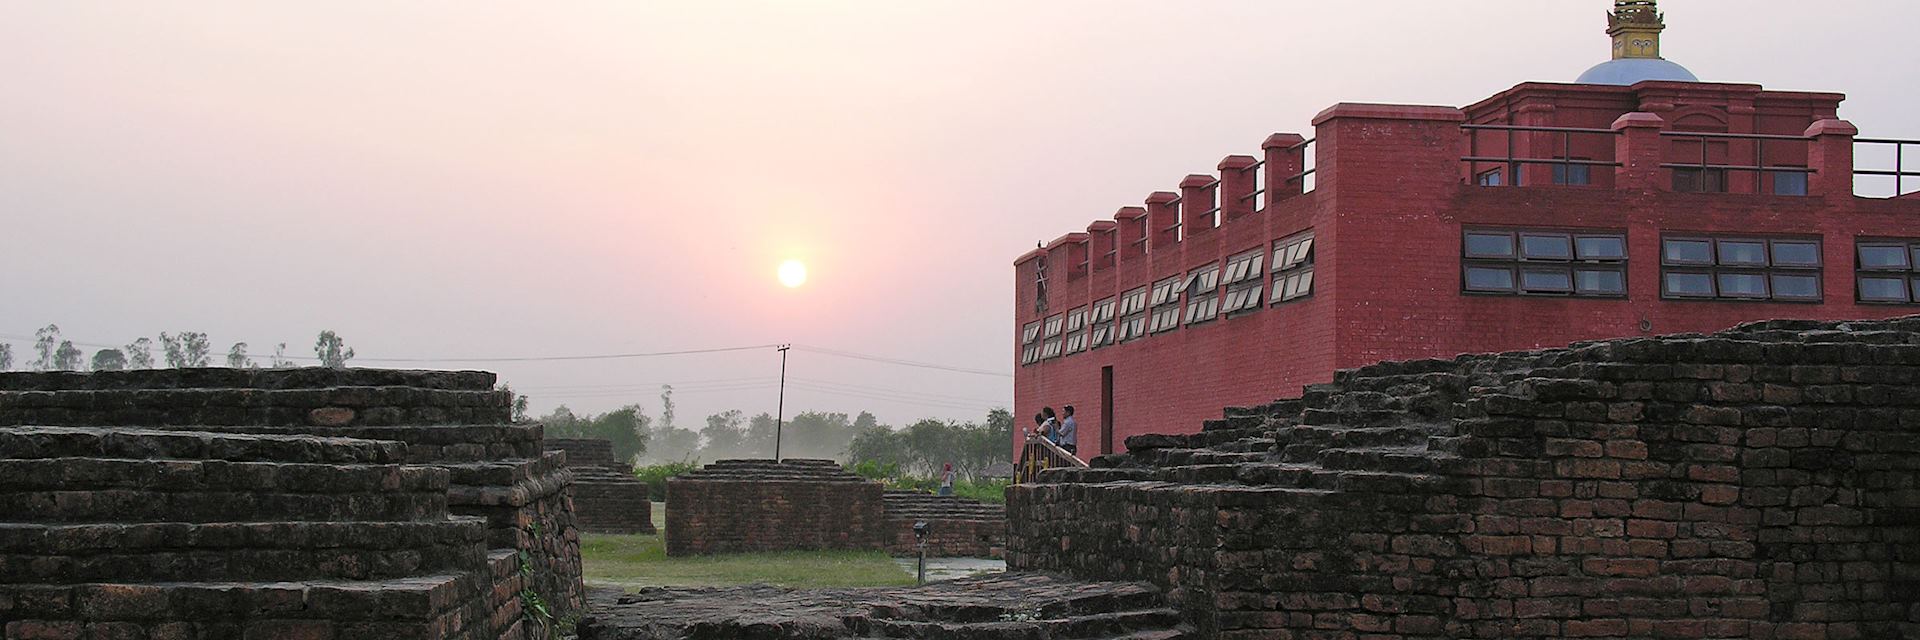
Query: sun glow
column 793, row 273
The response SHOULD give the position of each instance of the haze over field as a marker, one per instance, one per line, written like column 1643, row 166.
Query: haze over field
column 480, row 179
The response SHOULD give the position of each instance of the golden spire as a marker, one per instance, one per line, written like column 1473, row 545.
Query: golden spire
column 1635, row 26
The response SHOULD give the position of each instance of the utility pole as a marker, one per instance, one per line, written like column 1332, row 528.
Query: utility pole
column 780, row 410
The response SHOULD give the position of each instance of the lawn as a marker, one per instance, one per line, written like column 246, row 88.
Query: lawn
column 640, row 561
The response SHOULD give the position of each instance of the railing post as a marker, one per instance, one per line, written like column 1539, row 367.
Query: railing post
column 1163, row 220
column 1830, row 156
column 1196, row 203
column 1286, row 158
column 1236, row 187
column 1639, row 149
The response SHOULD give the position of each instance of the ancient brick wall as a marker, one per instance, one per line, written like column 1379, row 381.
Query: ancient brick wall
column 734, row 506
column 452, row 421
column 1759, row 482
column 956, row 527
column 606, row 496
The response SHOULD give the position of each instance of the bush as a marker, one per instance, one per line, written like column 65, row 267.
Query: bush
column 889, row 474
column 655, row 475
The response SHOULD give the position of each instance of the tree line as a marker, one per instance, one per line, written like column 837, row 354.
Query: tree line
column 183, row 350
column 921, row 448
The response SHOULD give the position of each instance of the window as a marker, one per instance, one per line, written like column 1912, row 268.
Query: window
column 1292, row 268
column 1133, row 315
column 1789, row 183
column 1051, row 345
column 1489, row 178
column 1245, row 282
column 1731, row 268
column 1102, row 320
column 1698, row 180
column 1203, row 294
column 1544, row 263
column 1573, row 174
column 1076, row 330
column 1166, row 304
column 1888, row 271
column 1030, row 343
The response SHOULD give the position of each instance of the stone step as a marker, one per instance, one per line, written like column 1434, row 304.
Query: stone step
column 451, row 605
column 1402, row 459
column 1015, row 625
column 230, row 378
column 95, row 442
column 114, row 490
column 1399, row 435
column 256, row 551
column 186, row 476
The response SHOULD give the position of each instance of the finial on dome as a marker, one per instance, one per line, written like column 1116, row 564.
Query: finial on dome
column 1635, row 26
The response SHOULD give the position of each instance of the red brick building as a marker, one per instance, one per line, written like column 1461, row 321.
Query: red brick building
column 1638, row 201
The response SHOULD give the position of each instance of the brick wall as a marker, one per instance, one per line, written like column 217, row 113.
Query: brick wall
column 606, row 496
column 454, row 421
column 587, row 452
column 1752, row 483
column 735, row 506
column 956, row 527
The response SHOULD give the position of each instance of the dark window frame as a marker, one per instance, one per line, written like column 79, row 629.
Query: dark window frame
column 1244, row 290
column 1292, row 278
column 1908, row 276
column 1717, row 269
column 1518, row 263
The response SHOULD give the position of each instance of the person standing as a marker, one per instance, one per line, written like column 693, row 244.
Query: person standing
column 946, row 480
column 1069, row 432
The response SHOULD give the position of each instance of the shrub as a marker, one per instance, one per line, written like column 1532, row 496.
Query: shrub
column 655, row 475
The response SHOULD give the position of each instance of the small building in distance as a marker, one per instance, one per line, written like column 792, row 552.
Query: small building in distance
column 1636, row 201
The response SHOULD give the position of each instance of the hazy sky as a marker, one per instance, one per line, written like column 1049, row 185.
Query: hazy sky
column 473, row 179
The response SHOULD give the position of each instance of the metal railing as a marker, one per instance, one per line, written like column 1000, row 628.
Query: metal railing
column 1899, row 171
column 1259, row 184
column 1707, row 171
column 1041, row 454
column 1305, row 177
column 1512, row 164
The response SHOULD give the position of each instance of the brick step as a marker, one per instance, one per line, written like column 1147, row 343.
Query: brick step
column 435, row 443
column 942, row 512
column 183, row 476
column 230, row 378
column 95, row 442
column 1357, row 418
column 451, row 605
column 503, row 471
column 255, row 551
column 111, row 490
column 1098, row 625
column 363, row 406
column 768, row 476
column 1323, row 436
column 1234, row 423
column 1401, row 459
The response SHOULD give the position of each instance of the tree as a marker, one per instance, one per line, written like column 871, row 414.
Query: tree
column 332, row 351
column 666, row 406
column 6, row 357
column 45, row 342
column 519, row 403
column 67, row 357
column 725, row 435
column 109, row 360
column 626, row 428
column 760, row 432
column 140, row 354
column 280, row 360
column 237, row 357
column 186, row 350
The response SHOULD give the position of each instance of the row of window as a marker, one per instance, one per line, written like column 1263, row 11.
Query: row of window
column 1593, row 264
column 1171, row 303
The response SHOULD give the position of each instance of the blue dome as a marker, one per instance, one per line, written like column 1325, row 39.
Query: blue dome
column 1630, row 71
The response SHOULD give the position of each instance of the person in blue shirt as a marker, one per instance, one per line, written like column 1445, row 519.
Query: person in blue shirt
column 1067, row 434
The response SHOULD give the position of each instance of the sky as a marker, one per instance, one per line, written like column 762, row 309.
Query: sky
column 460, row 180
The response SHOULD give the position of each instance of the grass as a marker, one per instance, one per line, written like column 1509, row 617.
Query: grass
column 639, row 561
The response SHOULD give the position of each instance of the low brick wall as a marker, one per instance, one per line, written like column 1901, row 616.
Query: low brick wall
column 956, row 527
column 606, row 496
column 735, row 506
column 588, row 452
column 1756, row 483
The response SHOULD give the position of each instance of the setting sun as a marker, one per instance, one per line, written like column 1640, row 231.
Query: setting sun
column 793, row 273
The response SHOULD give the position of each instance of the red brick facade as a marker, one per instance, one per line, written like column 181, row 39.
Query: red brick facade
column 1388, row 201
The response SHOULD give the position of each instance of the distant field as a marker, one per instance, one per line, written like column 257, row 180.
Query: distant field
column 641, row 561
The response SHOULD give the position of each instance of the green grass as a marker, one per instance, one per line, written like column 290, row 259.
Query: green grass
column 637, row 561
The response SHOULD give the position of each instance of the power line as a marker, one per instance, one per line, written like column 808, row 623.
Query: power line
column 897, row 361
column 610, row 356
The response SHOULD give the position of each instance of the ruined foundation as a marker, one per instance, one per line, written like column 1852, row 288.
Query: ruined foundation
column 1761, row 482
column 956, row 527
column 606, row 496
column 465, row 474
column 737, row 506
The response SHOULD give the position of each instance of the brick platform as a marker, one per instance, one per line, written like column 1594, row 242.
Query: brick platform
column 735, row 506
column 606, row 496
column 956, row 527
column 1759, row 482
column 125, row 533
column 1030, row 607
column 453, row 422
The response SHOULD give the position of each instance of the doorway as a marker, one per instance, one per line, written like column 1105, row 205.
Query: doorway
column 1106, row 410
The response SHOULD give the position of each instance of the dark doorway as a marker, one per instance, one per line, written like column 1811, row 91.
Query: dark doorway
column 1106, row 410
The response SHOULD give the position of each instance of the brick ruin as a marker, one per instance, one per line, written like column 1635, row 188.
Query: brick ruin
column 957, row 527
column 606, row 496
column 212, row 500
column 736, row 506
column 1758, row 482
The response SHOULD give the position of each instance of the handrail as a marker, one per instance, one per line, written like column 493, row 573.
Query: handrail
column 1733, row 136
column 1515, row 127
column 1041, row 454
column 1899, row 171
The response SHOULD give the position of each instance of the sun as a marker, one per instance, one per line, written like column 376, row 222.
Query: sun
column 793, row 273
